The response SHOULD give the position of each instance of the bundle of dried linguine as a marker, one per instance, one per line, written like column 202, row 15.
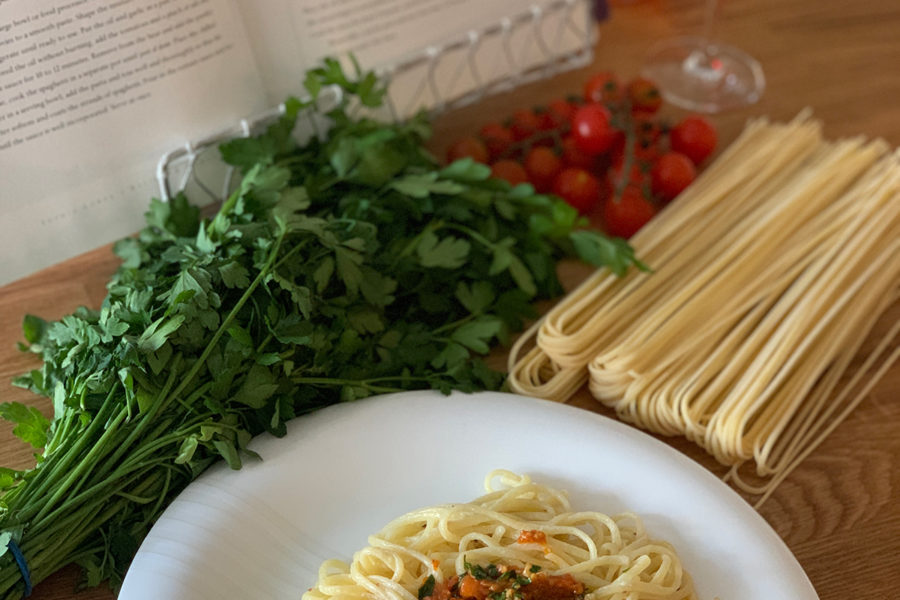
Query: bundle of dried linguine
column 769, row 272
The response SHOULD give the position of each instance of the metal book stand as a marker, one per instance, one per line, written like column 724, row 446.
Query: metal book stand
column 538, row 43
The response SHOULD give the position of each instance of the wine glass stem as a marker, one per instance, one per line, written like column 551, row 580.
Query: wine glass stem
column 709, row 20
column 702, row 64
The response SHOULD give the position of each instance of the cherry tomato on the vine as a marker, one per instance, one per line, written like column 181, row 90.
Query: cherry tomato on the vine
column 578, row 188
column 625, row 215
column 603, row 87
column 573, row 157
column 497, row 138
column 524, row 124
column 592, row 130
column 695, row 137
column 636, row 175
column 579, row 147
column 671, row 174
column 542, row 166
column 557, row 115
column 647, row 129
column 646, row 152
column 647, row 144
column 470, row 147
column 509, row 170
column 645, row 97
column 616, row 153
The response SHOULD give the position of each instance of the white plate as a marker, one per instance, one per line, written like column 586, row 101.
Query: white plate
column 344, row 472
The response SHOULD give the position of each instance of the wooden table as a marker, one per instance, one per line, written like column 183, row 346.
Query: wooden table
column 839, row 512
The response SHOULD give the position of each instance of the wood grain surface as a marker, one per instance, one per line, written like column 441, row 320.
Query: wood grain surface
column 839, row 512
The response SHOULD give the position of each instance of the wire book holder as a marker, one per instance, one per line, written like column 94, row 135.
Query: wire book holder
column 538, row 43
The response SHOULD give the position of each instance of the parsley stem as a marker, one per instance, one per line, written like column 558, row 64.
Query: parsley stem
column 161, row 497
column 60, row 432
column 290, row 253
column 146, row 419
column 291, row 160
column 84, row 466
column 55, row 552
column 59, row 439
column 262, row 345
column 455, row 324
column 473, row 234
column 195, row 395
column 68, row 515
column 55, row 541
column 360, row 382
column 218, row 225
column 39, row 488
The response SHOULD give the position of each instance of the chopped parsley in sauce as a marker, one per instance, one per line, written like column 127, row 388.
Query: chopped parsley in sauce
column 501, row 582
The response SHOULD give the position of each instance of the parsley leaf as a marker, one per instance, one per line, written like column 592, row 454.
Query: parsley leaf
column 600, row 250
column 31, row 425
column 425, row 184
column 426, row 588
column 478, row 334
column 476, row 297
column 465, row 170
column 448, row 252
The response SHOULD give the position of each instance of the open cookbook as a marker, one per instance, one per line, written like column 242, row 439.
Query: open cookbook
column 93, row 92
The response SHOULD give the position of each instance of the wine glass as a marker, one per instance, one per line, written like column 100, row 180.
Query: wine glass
column 703, row 75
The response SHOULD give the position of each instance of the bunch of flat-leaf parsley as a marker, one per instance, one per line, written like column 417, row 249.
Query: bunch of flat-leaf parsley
column 337, row 269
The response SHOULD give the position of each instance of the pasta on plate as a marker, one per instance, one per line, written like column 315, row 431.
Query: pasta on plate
column 519, row 540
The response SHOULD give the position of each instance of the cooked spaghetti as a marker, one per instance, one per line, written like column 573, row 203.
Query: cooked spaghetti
column 520, row 540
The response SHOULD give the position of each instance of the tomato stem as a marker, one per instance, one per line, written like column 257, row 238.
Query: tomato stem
column 628, row 156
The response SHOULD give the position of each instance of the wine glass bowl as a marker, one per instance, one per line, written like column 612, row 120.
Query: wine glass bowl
column 701, row 75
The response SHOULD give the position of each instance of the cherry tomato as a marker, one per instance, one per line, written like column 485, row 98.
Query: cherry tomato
column 671, row 174
column 509, row 170
column 468, row 146
column 647, row 153
column 645, row 97
column 497, row 138
column 616, row 152
column 624, row 216
column 524, row 124
column 636, row 175
column 591, row 129
column 695, row 137
column 578, row 188
column 558, row 115
column 542, row 166
column 603, row 87
column 648, row 141
column 647, row 128
column 573, row 157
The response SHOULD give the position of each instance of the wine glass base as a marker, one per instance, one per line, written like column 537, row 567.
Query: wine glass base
column 704, row 77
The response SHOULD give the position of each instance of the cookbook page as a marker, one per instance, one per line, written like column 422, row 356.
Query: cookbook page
column 92, row 93
column 289, row 36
